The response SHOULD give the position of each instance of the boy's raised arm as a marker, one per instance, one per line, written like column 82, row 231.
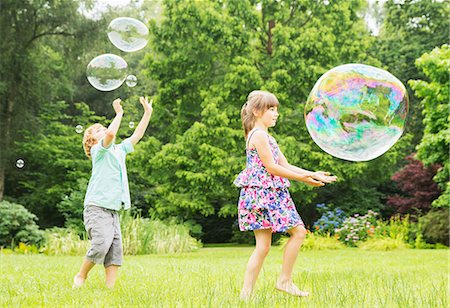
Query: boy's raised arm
column 142, row 126
column 115, row 124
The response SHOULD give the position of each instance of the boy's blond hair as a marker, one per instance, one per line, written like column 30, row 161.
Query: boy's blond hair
column 88, row 139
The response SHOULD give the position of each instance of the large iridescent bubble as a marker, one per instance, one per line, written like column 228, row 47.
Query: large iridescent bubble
column 356, row 112
column 107, row 72
column 128, row 34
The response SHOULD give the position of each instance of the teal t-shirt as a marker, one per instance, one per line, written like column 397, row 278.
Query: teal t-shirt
column 108, row 185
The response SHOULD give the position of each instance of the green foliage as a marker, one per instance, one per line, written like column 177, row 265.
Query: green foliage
column 145, row 236
column 64, row 242
column 207, row 57
column 18, row 225
column 433, row 148
column 54, row 163
column 435, row 226
column 357, row 228
column 409, row 28
column 72, row 206
column 316, row 242
column 383, row 244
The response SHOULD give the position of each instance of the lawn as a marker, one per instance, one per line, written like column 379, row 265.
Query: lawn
column 212, row 277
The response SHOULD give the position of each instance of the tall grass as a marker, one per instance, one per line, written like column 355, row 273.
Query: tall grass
column 145, row 236
column 65, row 242
column 139, row 236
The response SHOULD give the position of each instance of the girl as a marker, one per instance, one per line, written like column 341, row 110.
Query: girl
column 265, row 205
column 107, row 192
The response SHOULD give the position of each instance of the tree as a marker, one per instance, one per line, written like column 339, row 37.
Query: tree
column 208, row 57
column 410, row 28
column 434, row 146
column 418, row 188
column 30, row 64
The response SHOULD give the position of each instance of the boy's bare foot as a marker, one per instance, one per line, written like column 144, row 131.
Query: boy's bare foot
column 290, row 288
column 78, row 281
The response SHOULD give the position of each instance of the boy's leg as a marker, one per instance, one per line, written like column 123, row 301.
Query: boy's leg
column 113, row 259
column 79, row 278
column 263, row 241
column 99, row 226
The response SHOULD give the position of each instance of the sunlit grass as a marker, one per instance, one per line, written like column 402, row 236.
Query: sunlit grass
column 212, row 277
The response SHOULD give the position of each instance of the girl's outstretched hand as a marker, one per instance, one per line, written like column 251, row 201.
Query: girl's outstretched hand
column 324, row 177
column 117, row 106
column 309, row 180
column 147, row 106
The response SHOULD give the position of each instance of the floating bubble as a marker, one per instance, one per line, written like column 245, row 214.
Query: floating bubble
column 356, row 112
column 20, row 163
column 131, row 81
column 131, row 124
column 79, row 129
column 128, row 34
column 107, row 72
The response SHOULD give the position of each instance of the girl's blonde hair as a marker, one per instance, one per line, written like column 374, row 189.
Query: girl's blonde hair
column 257, row 101
column 88, row 139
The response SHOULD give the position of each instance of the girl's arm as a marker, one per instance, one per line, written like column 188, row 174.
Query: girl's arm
column 142, row 126
column 115, row 124
column 322, row 176
column 261, row 143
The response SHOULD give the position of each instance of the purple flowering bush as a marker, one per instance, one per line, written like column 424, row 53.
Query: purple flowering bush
column 357, row 228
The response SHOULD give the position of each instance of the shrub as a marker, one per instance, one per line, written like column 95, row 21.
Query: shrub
column 383, row 243
column 435, row 226
column 18, row 225
column 145, row 236
column 357, row 228
column 316, row 242
column 330, row 219
column 66, row 242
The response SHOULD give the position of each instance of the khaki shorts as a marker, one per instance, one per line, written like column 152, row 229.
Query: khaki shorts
column 103, row 228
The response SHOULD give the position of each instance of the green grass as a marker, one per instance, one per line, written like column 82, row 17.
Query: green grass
column 212, row 277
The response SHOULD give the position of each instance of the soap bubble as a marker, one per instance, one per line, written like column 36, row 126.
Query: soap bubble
column 356, row 112
column 131, row 81
column 79, row 129
column 128, row 34
column 131, row 124
column 107, row 72
column 20, row 163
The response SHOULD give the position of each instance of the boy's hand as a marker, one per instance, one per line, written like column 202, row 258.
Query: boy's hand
column 324, row 177
column 147, row 106
column 117, row 106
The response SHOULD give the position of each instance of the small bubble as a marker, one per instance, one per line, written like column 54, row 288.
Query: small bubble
column 131, row 81
column 79, row 129
column 20, row 163
column 131, row 124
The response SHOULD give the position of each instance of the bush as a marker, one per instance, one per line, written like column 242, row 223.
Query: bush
column 145, row 236
column 65, row 242
column 18, row 225
column 316, row 242
column 435, row 226
column 357, row 228
column 330, row 219
column 383, row 243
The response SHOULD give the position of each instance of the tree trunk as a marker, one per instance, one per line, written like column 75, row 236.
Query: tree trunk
column 269, row 33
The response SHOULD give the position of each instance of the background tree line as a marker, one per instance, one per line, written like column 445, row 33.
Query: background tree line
column 202, row 60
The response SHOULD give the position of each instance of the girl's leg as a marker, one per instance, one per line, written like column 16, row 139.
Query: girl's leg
column 289, row 257
column 263, row 241
column 79, row 278
column 111, row 275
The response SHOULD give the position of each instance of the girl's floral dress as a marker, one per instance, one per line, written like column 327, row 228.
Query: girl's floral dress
column 264, row 201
